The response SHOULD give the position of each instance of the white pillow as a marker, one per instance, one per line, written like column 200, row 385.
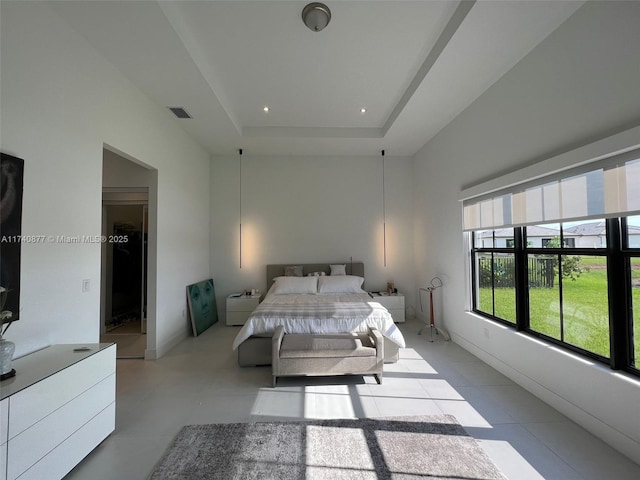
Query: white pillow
column 340, row 284
column 338, row 269
column 284, row 285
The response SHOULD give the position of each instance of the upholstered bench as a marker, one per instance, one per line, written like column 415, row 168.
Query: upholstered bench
column 334, row 354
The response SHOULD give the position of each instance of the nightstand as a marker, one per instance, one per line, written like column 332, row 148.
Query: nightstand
column 239, row 308
column 394, row 303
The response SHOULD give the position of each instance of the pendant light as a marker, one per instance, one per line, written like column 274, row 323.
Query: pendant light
column 240, row 203
column 384, row 215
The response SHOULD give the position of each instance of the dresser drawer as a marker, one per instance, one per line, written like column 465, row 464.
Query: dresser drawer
column 4, row 421
column 61, row 460
column 33, row 444
column 4, row 432
column 33, row 404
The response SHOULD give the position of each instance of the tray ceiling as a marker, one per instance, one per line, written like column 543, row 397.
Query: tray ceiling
column 413, row 65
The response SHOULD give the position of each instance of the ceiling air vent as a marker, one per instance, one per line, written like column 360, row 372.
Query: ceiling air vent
column 180, row 112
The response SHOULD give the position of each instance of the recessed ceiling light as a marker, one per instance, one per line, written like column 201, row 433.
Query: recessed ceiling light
column 363, row 110
column 265, row 109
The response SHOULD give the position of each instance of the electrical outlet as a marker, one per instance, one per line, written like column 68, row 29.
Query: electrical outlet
column 86, row 285
column 183, row 313
column 486, row 332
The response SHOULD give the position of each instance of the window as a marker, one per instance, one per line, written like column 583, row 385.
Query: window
column 635, row 315
column 631, row 239
column 565, row 288
column 558, row 256
column 495, row 274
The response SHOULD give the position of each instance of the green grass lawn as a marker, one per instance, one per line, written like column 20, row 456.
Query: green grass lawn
column 585, row 308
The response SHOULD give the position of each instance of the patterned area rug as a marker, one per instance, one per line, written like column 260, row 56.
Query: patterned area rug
column 428, row 447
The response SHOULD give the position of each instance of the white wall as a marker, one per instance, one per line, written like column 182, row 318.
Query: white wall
column 61, row 103
column 580, row 84
column 119, row 172
column 308, row 210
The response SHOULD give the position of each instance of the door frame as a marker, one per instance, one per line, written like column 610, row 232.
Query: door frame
column 150, row 182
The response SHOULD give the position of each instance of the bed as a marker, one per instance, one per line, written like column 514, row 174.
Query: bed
column 321, row 304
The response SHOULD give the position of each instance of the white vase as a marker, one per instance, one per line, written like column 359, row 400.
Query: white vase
column 6, row 355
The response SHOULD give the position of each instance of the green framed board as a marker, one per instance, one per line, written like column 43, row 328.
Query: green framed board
column 201, row 299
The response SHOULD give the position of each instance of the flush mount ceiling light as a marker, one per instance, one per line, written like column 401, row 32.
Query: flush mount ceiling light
column 316, row 16
column 265, row 109
column 363, row 110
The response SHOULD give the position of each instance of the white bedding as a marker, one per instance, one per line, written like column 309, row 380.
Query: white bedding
column 319, row 313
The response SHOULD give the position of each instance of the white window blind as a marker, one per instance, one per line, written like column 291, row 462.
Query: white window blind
column 606, row 188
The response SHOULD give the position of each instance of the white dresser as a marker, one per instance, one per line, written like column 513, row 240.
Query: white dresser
column 57, row 409
column 239, row 308
column 394, row 303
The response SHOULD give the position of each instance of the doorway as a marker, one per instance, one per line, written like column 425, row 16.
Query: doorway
column 129, row 225
column 125, row 227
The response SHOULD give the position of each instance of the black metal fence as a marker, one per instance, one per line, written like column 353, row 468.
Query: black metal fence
column 541, row 271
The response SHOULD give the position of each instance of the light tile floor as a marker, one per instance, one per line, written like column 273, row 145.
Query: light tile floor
column 199, row 381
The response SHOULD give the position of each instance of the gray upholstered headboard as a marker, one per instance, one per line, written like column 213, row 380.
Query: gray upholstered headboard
column 353, row 268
